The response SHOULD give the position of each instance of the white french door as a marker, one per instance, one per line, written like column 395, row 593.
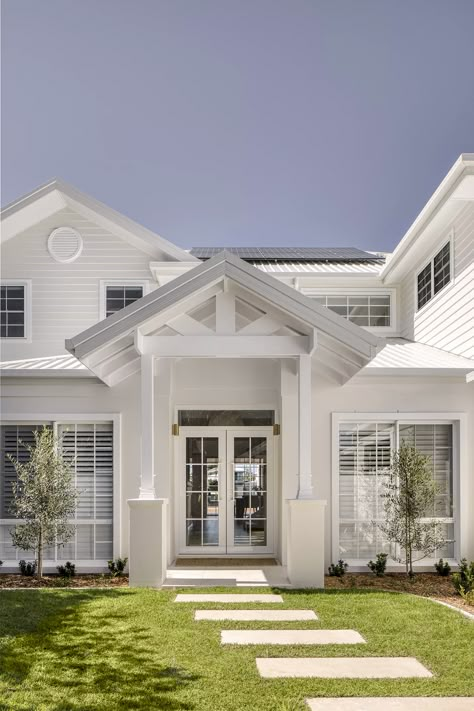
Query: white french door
column 225, row 491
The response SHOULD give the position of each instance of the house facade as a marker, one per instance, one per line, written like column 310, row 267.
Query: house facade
column 237, row 402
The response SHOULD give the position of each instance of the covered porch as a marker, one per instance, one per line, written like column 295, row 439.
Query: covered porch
column 225, row 338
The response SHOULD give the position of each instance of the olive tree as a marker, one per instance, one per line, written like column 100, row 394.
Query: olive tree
column 44, row 497
column 409, row 495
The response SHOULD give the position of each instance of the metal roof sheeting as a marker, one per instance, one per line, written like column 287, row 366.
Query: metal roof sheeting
column 369, row 268
column 401, row 354
column 331, row 254
column 50, row 364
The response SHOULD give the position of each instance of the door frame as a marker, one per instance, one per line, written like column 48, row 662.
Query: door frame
column 223, row 433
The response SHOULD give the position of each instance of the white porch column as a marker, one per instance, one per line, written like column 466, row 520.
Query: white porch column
column 147, row 474
column 305, row 483
column 305, row 546
column 305, row 514
column 148, row 515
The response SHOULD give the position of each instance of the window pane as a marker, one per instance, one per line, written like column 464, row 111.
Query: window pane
column 228, row 418
column 13, row 312
column 364, row 310
column 424, row 286
column 117, row 297
column 442, row 270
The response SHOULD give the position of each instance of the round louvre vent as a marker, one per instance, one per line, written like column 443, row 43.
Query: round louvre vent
column 65, row 244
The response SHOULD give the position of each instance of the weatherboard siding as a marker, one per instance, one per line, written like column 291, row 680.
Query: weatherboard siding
column 66, row 297
column 446, row 322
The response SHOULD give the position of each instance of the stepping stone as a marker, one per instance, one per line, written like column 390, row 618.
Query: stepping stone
column 227, row 597
column 256, row 615
column 399, row 703
column 341, row 667
column 291, row 637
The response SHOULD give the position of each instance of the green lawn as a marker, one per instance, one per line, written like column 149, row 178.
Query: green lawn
column 136, row 649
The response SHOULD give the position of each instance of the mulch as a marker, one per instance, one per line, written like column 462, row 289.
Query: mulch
column 16, row 580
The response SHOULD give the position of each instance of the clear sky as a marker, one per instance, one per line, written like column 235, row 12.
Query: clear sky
column 241, row 122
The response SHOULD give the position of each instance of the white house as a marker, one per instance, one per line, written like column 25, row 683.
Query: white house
column 215, row 399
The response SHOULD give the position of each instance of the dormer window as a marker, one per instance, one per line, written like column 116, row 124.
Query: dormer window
column 115, row 296
column 434, row 276
column 14, row 310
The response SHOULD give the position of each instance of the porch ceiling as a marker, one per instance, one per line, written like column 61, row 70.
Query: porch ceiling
column 223, row 308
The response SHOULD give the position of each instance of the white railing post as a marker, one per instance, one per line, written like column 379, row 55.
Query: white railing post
column 305, row 482
column 147, row 475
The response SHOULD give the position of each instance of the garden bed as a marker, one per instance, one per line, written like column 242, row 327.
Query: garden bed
column 101, row 580
column 424, row 584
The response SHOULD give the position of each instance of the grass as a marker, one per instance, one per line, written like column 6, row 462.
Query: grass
column 65, row 650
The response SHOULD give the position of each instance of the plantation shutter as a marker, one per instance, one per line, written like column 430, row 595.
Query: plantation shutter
column 13, row 439
column 89, row 448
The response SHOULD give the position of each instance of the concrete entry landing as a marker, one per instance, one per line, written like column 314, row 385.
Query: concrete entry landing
column 234, row 576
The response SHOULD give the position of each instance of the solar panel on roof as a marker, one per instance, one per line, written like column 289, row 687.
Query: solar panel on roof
column 331, row 254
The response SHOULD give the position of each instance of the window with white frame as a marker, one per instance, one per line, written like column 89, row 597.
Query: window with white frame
column 117, row 297
column 13, row 316
column 89, row 448
column 434, row 276
column 369, row 310
column 365, row 450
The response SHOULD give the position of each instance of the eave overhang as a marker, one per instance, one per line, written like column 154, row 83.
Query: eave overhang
column 111, row 348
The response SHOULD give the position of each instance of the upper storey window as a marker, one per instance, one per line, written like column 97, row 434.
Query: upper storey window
column 434, row 276
column 369, row 310
column 14, row 310
column 116, row 295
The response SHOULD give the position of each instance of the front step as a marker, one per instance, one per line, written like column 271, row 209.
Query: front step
column 222, row 562
column 341, row 667
column 291, row 637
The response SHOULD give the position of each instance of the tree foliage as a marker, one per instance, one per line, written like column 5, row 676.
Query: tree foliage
column 409, row 497
column 44, row 497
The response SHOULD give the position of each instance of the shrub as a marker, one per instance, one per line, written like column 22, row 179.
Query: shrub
column 443, row 568
column 338, row 569
column 27, row 568
column 68, row 570
column 378, row 567
column 463, row 580
column 117, row 566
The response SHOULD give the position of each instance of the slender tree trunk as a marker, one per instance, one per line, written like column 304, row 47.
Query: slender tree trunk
column 39, row 572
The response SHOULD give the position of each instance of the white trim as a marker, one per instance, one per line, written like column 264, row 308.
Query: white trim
column 460, row 464
column 448, row 239
column 91, row 418
column 104, row 283
column 28, row 323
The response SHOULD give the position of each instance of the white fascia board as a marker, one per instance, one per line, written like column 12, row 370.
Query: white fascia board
column 164, row 272
column 55, row 195
column 451, row 187
column 41, row 373
column 470, row 377
column 401, row 372
column 203, row 276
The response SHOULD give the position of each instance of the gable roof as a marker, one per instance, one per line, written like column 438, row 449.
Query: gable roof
column 337, row 337
column 56, row 195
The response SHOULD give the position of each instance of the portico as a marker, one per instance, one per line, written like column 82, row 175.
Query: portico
column 192, row 345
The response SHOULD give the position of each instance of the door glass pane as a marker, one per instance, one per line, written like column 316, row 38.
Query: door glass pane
column 250, row 491
column 202, row 487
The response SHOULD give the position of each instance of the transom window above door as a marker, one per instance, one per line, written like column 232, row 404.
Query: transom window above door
column 116, row 296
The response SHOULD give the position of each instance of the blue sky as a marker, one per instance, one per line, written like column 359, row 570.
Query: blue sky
column 241, row 122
